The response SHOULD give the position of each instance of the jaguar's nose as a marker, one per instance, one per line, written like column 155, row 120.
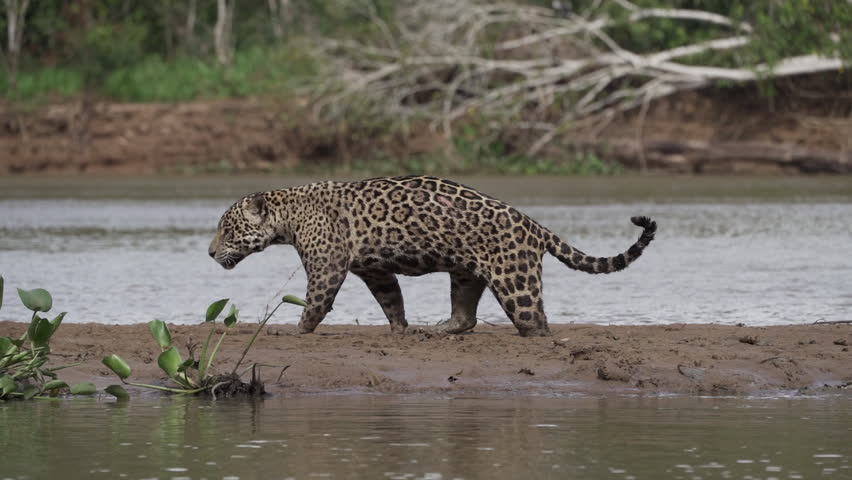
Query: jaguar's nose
column 212, row 253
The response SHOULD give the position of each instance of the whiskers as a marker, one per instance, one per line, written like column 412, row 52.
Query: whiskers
column 229, row 260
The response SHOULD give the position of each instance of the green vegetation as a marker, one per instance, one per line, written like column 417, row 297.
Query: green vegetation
column 192, row 375
column 255, row 72
column 781, row 29
column 24, row 372
column 164, row 50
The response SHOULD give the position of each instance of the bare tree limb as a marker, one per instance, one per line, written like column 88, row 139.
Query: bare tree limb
column 223, row 31
column 443, row 62
column 16, row 11
column 682, row 14
column 279, row 11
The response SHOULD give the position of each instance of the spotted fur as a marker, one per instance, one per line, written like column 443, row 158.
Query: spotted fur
column 382, row 227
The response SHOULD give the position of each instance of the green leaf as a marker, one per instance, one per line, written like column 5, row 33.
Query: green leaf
column 188, row 363
column 37, row 362
column 85, row 388
column 294, row 300
column 57, row 320
column 160, row 332
column 117, row 391
column 24, row 356
column 31, row 391
column 169, row 361
column 215, row 309
column 40, row 331
column 54, row 384
column 117, row 365
column 5, row 345
column 38, row 300
column 7, row 385
column 231, row 319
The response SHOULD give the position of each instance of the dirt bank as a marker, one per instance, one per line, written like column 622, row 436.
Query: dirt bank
column 803, row 128
column 689, row 359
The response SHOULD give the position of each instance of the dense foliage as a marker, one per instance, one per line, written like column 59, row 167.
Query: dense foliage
column 165, row 50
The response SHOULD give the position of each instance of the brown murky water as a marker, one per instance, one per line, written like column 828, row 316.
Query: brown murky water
column 627, row 438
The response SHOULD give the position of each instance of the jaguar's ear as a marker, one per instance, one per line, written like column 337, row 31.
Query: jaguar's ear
column 257, row 206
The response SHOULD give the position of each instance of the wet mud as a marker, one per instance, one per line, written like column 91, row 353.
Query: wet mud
column 577, row 359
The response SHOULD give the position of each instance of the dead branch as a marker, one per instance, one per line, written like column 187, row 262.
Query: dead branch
column 448, row 59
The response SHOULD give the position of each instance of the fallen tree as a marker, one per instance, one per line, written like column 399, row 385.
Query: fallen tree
column 533, row 74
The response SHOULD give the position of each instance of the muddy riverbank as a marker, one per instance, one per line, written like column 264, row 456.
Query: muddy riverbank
column 711, row 131
column 683, row 359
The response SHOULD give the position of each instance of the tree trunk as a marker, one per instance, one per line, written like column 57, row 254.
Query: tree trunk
column 189, row 28
column 279, row 12
column 16, row 15
column 223, row 32
column 169, row 27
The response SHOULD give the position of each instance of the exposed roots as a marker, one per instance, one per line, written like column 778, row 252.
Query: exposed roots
column 230, row 385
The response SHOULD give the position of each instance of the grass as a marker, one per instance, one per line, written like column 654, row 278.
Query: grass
column 255, row 72
column 43, row 85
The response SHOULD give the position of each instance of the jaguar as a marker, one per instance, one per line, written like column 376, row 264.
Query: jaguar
column 410, row 225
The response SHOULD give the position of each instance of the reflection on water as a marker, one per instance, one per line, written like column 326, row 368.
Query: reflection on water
column 411, row 437
column 757, row 251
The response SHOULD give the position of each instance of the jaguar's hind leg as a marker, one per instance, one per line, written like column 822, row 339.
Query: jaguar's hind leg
column 465, row 292
column 518, row 290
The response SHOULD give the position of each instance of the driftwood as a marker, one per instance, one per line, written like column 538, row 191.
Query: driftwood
column 547, row 71
column 721, row 157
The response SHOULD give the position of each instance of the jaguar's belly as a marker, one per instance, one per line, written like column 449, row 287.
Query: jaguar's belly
column 410, row 263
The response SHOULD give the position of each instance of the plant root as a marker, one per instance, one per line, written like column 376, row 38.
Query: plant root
column 232, row 386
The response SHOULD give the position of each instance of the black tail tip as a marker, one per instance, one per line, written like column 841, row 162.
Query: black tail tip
column 645, row 222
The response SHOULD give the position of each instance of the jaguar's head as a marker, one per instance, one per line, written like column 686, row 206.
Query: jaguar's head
column 245, row 228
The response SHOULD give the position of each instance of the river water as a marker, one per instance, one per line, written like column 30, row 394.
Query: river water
column 387, row 437
column 753, row 250
column 757, row 251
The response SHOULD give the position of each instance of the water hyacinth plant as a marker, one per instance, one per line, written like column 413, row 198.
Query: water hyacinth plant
column 23, row 370
column 192, row 375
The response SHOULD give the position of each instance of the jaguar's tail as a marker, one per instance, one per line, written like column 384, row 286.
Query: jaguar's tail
column 580, row 261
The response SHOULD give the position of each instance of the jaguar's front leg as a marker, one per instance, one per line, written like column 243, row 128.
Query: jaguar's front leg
column 326, row 271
